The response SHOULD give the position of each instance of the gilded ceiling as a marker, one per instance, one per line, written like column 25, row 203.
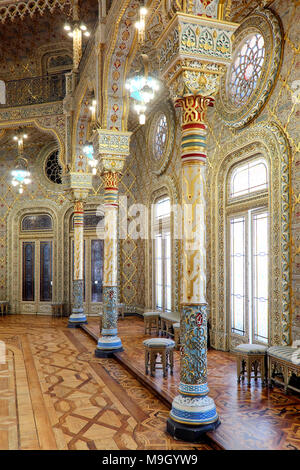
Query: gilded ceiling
column 23, row 41
column 36, row 140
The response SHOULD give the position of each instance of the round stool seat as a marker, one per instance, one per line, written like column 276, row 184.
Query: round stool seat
column 251, row 358
column 251, row 349
column 159, row 343
column 151, row 314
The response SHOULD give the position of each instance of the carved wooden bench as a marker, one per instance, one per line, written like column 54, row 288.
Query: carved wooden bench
column 284, row 367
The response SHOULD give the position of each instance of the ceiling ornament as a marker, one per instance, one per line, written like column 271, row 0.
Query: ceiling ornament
column 15, row 9
column 21, row 175
column 239, row 111
column 75, row 30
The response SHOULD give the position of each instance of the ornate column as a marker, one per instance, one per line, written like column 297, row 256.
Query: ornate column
column 113, row 147
column 78, row 186
column 194, row 52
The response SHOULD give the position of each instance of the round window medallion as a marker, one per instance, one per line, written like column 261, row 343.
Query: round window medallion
column 53, row 168
column 160, row 137
column 248, row 83
column 246, row 68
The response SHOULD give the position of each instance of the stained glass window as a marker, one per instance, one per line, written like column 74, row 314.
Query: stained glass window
column 38, row 222
column 246, row 69
column 28, row 271
column 53, row 168
column 160, row 136
column 46, row 271
column 97, row 270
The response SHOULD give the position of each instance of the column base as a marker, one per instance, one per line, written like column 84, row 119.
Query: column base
column 108, row 345
column 76, row 324
column 76, row 320
column 107, row 353
column 189, row 433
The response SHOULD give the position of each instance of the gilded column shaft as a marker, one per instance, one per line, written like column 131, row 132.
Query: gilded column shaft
column 193, row 406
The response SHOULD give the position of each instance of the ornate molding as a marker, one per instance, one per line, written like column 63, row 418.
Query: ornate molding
column 194, row 52
column 271, row 142
column 30, row 7
column 78, row 185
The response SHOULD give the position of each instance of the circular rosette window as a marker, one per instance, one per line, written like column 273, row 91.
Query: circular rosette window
column 160, row 138
column 250, row 78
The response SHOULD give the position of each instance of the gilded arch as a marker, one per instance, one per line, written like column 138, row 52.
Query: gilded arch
column 53, row 124
column 270, row 141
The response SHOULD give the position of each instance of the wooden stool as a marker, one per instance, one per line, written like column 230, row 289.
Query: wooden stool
column 167, row 321
column 159, row 346
column 251, row 357
column 121, row 310
column 57, row 309
column 176, row 329
column 151, row 320
column 3, row 307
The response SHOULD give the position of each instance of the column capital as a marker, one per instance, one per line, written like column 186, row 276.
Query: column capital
column 194, row 52
column 112, row 147
column 78, row 185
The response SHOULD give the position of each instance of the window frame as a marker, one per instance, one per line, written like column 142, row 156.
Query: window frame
column 161, row 227
column 246, row 205
column 251, row 194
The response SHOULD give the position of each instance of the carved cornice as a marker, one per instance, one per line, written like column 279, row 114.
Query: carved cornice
column 16, row 9
column 77, row 185
column 194, row 52
column 32, row 111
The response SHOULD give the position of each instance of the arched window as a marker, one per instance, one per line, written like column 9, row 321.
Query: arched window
column 248, row 178
column 37, row 223
column 36, row 238
column 248, row 250
column 162, row 269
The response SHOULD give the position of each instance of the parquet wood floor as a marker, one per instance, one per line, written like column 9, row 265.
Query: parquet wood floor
column 252, row 417
column 54, row 394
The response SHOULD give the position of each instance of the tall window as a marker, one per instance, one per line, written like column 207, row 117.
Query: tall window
column 162, row 255
column 248, row 237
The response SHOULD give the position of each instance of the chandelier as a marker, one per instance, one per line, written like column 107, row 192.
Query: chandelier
column 142, row 88
column 75, row 27
column 21, row 175
column 88, row 150
column 141, row 24
column 75, row 30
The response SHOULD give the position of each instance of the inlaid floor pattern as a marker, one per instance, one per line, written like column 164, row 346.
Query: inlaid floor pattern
column 252, row 417
column 54, row 394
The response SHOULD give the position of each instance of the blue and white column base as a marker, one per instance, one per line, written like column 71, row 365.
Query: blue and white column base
column 108, row 345
column 193, row 413
column 77, row 319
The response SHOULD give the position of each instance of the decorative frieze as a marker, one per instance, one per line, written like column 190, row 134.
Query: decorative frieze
column 194, row 52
